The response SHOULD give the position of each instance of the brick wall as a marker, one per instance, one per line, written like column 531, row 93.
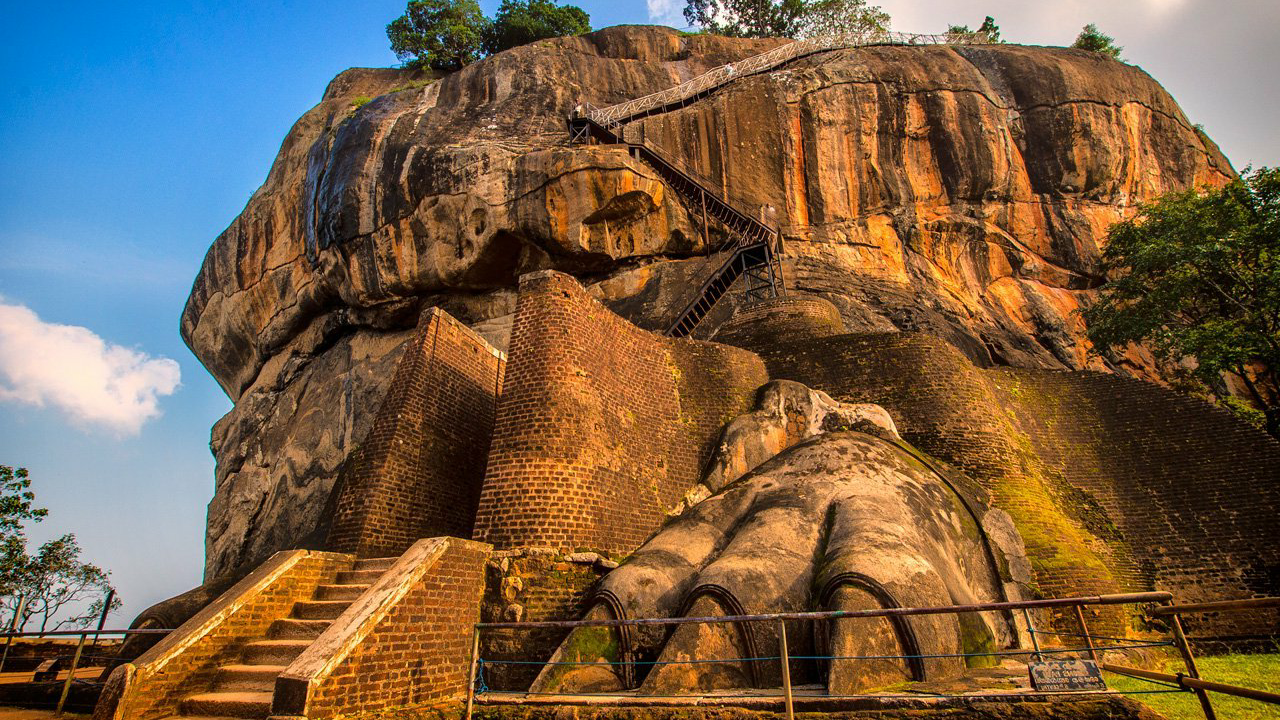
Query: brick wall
column 602, row 426
column 416, row 651
column 187, row 659
column 1193, row 491
column 418, row 471
column 1114, row 484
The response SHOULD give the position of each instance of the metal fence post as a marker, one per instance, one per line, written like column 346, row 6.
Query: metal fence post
column 471, row 675
column 71, row 674
column 13, row 628
column 1185, row 648
column 1084, row 632
column 1031, row 630
column 786, row 668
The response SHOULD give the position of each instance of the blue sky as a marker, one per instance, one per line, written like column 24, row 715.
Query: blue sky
column 132, row 133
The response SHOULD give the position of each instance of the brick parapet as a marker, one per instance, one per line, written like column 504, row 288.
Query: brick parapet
column 782, row 319
column 405, row 642
column 419, row 470
column 601, row 426
column 188, row 658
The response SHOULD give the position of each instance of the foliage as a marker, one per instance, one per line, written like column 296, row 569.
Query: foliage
column 962, row 33
column 520, row 22
column 839, row 17
column 1260, row 672
column 440, row 34
column 360, row 101
column 1093, row 39
column 54, row 580
column 785, row 18
column 1196, row 277
column 16, row 508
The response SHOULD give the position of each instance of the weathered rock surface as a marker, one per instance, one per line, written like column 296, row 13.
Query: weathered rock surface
column 962, row 191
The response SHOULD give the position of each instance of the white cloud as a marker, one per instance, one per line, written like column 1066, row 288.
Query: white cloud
column 666, row 12
column 71, row 368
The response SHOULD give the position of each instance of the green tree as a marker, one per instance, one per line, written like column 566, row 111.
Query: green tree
column 785, row 18
column 520, row 22
column 1093, row 39
column 441, row 34
column 60, row 590
column 1196, row 277
column 842, row 17
column 16, row 508
column 988, row 30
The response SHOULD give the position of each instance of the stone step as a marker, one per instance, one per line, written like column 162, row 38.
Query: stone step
column 285, row 628
column 273, row 652
column 253, row 678
column 340, row 592
column 379, row 564
column 239, row 704
column 358, row 577
column 319, row 609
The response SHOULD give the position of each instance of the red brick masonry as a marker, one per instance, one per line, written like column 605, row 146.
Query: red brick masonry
column 602, row 426
column 418, row 472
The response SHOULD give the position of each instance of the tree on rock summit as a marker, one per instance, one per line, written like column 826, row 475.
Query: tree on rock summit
column 520, row 22
column 786, row 18
column 445, row 35
column 1094, row 40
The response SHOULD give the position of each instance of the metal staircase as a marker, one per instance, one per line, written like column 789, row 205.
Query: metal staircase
column 753, row 246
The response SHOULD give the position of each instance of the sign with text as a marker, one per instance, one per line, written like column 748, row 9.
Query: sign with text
column 1065, row 675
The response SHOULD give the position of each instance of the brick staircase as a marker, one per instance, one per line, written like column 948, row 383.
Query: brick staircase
column 244, row 687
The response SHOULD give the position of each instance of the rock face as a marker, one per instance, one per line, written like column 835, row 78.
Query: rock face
column 962, row 191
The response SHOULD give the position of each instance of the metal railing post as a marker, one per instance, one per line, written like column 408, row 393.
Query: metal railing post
column 1185, row 648
column 471, row 674
column 1084, row 632
column 71, row 674
column 1031, row 630
column 786, row 668
column 13, row 628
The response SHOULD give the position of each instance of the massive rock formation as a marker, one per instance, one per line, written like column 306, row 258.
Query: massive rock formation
column 962, row 191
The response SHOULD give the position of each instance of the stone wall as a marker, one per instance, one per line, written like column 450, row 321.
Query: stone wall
column 410, row 644
column 602, row 427
column 531, row 585
column 418, row 472
column 1115, row 484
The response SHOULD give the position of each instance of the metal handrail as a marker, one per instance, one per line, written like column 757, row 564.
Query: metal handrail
column 1219, row 606
column 779, row 618
column 1115, row 599
column 616, row 115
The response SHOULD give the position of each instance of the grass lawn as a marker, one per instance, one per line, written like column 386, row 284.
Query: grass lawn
column 1260, row 672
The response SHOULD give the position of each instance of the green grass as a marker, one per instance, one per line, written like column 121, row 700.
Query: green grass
column 1259, row 672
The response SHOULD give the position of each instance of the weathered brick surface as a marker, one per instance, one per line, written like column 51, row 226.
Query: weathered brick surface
column 165, row 677
column 420, row 652
column 419, row 470
column 1115, row 484
column 602, row 426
